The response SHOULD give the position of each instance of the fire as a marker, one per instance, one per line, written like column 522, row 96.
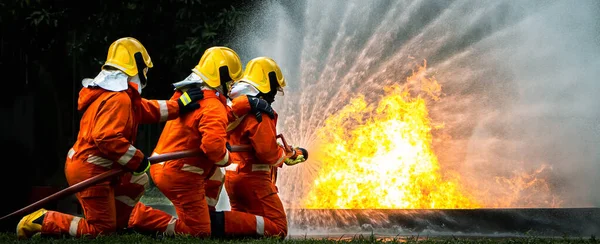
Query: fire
column 525, row 190
column 380, row 157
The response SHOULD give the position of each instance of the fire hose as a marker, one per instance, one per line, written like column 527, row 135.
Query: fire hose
column 110, row 174
column 115, row 172
column 287, row 149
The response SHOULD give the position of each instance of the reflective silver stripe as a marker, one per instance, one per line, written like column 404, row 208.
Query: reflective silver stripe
column 128, row 155
column 219, row 175
column 164, row 110
column 211, row 201
column 202, row 76
column 231, row 167
column 73, row 226
column 235, row 123
column 170, row 231
column 127, row 200
column 71, row 153
column 260, row 225
column 140, row 180
column 192, row 169
column 100, row 161
column 224, row 160
column 261, row 167
column 280, row 160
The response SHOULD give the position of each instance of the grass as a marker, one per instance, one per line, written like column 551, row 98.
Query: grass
column 137, row 238
column 154, row 196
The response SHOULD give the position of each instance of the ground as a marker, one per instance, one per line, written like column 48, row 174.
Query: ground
column 136, row 238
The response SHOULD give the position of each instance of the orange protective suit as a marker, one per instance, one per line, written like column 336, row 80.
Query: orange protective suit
column 213, row 188
column 256, row 207
column 183, row 180
column 108, row 130
column 214, row 184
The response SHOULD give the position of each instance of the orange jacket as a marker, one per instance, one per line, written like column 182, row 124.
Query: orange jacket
column 239, row 107
column 204, row 128
column 262, row 136
column 109, row 125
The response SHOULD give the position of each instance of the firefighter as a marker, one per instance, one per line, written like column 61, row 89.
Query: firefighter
column 256, row 209
column 183, row 181
column 112, row 109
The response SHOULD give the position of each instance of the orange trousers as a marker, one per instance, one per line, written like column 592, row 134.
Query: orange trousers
column 186, row 192
column 256, row 209
column 106, row 206
column 213, row 188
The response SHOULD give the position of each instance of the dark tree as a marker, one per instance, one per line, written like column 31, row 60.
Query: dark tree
column 47, row 47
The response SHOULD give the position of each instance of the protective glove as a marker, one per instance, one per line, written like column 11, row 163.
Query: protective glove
column 259, row 106
column 188, row 100
column 299, row 155
column 297, row 160
column 143, row 168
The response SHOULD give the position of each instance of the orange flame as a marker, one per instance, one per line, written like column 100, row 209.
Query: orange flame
column 525, row 190
column 381, row 157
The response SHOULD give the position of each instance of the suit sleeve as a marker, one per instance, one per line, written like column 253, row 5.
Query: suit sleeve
column 213, row 128
column 263, row 137
column 240, row 106
column 110, row 124
column 155, row 111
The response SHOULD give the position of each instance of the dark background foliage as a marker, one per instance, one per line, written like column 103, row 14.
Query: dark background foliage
column 47, row 47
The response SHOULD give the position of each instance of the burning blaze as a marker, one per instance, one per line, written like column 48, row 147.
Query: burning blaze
column 381, row 157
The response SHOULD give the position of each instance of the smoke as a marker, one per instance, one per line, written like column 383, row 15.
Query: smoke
column 520, row 83
column 541, row 104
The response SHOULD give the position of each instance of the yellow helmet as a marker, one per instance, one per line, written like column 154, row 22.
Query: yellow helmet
column 259, row 71
column 213, row 60
column 122, row 55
